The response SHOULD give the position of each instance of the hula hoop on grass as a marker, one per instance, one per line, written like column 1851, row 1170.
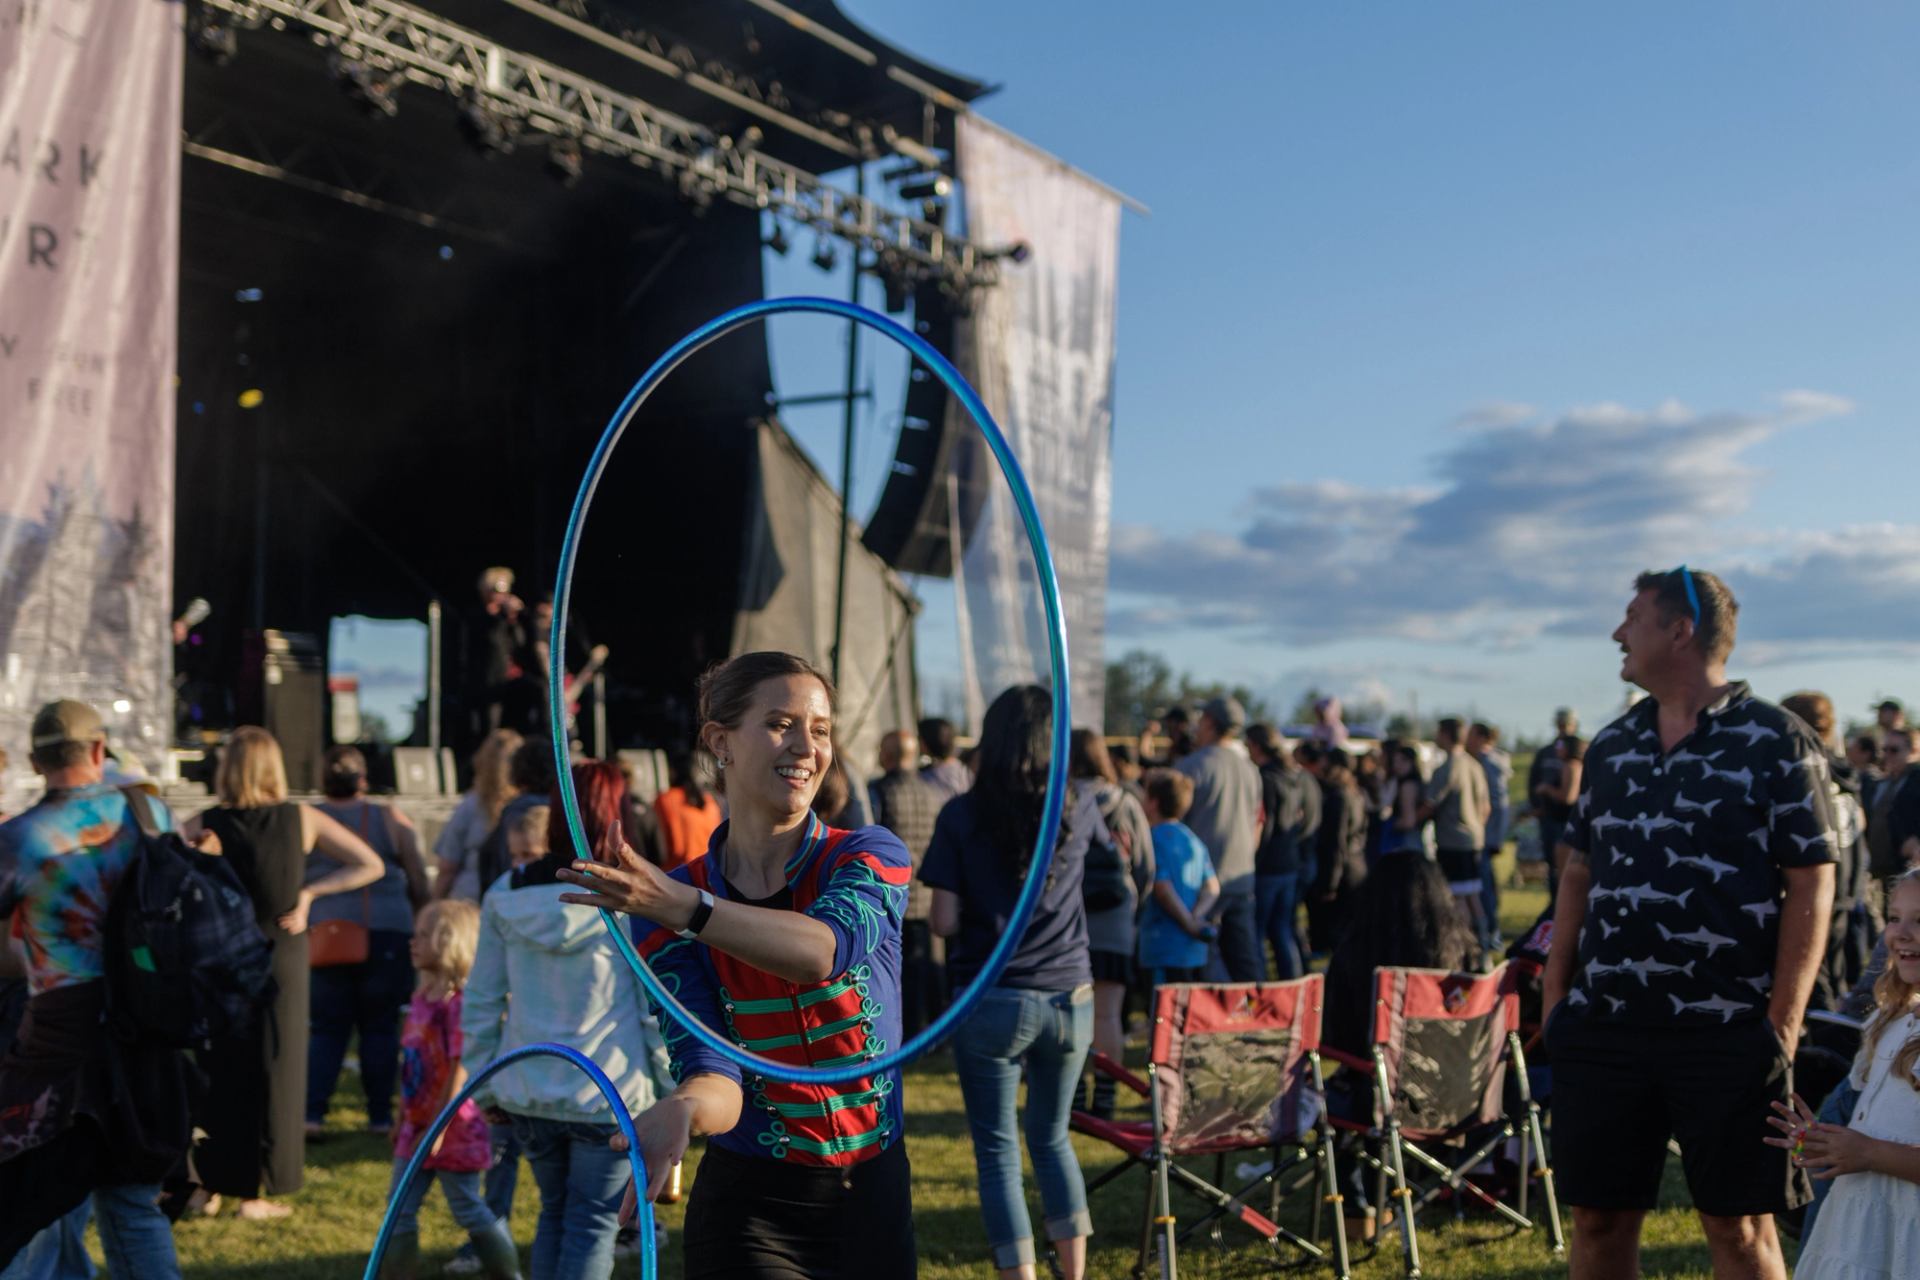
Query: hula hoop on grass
column 1023, row 909
column 621, row 1117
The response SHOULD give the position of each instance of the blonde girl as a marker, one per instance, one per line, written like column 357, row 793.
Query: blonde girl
column 1869, row 1227
column 444, row 940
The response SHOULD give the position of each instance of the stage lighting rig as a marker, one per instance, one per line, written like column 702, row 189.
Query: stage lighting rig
column 778, row 241
column 900, row 275
column 376, row 94
column 490, row 132
column 213, row 39
column 564, row 160
column 825, row 256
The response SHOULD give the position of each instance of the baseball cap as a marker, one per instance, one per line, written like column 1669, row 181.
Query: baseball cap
column 66, row 721
column 1226, row 712
column 1890, row 705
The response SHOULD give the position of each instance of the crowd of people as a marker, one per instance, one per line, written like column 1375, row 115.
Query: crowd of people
column 1718, row 865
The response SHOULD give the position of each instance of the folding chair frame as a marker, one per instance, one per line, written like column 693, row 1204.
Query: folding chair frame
column 1392, row 1166
column 1162, row 1231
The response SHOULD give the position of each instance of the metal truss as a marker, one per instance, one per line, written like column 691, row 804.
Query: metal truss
column 401, row 41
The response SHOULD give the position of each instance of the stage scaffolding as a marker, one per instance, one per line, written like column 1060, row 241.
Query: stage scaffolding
column 380, row 46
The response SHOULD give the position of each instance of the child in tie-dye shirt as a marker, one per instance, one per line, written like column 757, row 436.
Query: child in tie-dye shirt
column 444, row 939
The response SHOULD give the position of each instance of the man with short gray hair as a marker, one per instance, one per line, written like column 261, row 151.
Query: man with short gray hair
column 1226, row 816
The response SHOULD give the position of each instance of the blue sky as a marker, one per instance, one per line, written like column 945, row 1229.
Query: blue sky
column 1449, row 317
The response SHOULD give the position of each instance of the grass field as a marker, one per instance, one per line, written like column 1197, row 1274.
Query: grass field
column 339, row 1211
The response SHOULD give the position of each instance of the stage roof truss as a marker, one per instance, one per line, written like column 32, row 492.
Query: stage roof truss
column 398, row 38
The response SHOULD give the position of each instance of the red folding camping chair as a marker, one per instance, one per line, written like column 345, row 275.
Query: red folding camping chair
column 1231, row 1068
column 1442, row 1046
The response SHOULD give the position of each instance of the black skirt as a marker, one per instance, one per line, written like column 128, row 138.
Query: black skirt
column 766, row 1219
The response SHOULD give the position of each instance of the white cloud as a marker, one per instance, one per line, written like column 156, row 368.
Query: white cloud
column 1536, row 528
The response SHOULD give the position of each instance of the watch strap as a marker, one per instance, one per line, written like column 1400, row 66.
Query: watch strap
column 702, row 912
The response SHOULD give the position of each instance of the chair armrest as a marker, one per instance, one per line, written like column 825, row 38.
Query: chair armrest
column 1345, row 1059
column 1113, row 1070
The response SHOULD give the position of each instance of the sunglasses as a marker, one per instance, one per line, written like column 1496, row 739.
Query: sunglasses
column 1693, row 595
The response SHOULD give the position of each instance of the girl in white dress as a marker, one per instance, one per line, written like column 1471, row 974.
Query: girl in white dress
column 1869, row 1227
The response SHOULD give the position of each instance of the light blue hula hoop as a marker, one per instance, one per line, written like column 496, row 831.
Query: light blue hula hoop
column 621, row 1117
column 1057, row 653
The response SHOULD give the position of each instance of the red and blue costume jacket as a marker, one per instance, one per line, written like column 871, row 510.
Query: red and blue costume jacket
column 855, row 883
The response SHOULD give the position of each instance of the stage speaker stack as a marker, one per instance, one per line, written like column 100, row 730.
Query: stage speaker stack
column 283, row 689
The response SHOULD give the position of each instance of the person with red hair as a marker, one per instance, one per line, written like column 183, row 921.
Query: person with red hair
column 546, row 970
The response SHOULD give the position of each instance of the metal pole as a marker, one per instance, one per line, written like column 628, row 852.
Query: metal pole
column 846, row 449
column 599, row 715
column 433, row 689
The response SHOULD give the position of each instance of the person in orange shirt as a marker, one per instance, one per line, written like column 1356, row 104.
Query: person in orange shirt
column 688, row 814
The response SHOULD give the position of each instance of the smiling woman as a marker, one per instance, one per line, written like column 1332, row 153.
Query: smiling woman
column 785, row 938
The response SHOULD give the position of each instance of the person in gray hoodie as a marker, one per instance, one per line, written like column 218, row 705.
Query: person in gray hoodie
column 547, row 970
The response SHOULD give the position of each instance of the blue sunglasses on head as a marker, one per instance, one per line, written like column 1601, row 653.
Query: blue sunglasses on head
column 1693, row 596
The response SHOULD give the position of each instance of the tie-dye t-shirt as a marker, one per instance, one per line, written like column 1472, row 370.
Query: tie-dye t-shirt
column 429, row 1056
column 59, row 863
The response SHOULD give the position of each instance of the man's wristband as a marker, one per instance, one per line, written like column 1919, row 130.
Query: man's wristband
column 702, row 911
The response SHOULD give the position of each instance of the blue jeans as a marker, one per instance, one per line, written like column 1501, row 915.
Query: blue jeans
column 1243, row 957
column 463, row 1199
column 1837, row 1109
column 368, row 997
column 59, row 1252
column 1490, row 896
column 1276, row 900
column 1050, row 1032
column 505, row 1174
column 581, row 1181
column 134, row 1235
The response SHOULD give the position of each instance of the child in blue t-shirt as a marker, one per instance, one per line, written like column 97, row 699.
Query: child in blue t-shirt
column 1174, row 933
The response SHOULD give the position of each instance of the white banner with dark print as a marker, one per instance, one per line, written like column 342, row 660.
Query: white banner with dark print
column 89, row 228
column 1040, row 348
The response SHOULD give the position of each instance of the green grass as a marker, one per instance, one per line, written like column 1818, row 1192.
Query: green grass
column 339, row 1212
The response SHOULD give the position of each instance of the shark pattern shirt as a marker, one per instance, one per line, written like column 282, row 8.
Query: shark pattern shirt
column 1687, row 850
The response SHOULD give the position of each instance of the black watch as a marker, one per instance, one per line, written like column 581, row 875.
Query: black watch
column 702, row 912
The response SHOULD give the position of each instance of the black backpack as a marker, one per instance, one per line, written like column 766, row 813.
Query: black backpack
column 187, row 962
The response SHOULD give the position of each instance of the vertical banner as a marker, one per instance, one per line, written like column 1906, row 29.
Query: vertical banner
column 1040, row 349
column 90, row 96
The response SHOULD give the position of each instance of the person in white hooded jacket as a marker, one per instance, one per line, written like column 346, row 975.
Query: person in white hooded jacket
column 546, row 970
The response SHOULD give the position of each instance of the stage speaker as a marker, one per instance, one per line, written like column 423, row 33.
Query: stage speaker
column 910, row 528
column 416, row 772
column 283, row 689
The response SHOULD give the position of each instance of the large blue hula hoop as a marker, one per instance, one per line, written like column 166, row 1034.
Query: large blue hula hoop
column 621, row 1117
column 1057, row 653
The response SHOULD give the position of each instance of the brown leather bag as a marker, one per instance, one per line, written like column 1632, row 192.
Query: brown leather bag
column 331, row 943
column 338, row 942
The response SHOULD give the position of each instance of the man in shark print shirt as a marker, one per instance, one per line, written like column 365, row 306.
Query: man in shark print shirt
column 1688, row 933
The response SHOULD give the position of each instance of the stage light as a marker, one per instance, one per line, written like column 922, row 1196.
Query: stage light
column 373, row 92
column 490, row 132
column 564, row 160
column 825, row 256
column 446, row 253
column 778, row 241
column 251, row 398
column 213, row 40
column 932, row 186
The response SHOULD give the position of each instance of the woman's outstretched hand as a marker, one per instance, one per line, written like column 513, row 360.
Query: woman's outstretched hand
column 633, row 885
column 664, row 1130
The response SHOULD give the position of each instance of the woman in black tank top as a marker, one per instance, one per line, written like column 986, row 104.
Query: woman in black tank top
column 256, row 1094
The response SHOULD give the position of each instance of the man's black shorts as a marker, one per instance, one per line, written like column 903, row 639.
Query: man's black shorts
column 1620, row 1091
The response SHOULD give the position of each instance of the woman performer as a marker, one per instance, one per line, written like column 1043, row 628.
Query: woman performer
column 785, row 938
